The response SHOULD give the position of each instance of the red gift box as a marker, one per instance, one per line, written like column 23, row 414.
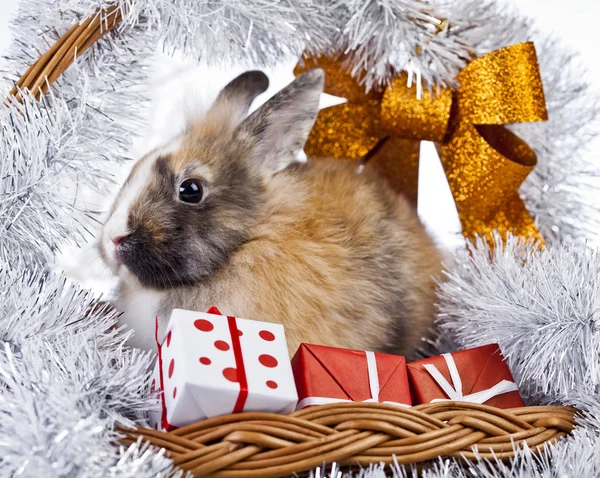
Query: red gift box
column 478, row 375
column 331, row 375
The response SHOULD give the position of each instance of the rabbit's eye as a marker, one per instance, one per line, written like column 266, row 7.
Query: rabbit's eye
column 190, row 190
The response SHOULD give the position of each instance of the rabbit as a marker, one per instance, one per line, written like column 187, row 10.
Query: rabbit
column 224, row 215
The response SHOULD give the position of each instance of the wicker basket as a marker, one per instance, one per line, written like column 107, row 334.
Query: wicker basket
column 48, row 67
column 250, row 445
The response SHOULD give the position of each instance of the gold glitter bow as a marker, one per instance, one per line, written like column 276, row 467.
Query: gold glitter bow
column 484, row 162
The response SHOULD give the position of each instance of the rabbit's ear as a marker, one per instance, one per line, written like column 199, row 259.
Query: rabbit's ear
column 234, row 100
column 280, row 127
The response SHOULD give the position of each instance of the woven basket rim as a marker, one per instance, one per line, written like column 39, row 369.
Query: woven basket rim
column 62, row 54
column 259, row 444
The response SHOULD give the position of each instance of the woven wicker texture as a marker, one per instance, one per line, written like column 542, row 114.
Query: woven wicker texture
column 45, row 71
column 266, row 444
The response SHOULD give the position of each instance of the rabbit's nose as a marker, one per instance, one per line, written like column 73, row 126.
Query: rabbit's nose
column 118, row 240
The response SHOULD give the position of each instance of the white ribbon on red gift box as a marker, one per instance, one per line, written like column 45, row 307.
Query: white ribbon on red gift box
column 455, row 391
column 373, row 387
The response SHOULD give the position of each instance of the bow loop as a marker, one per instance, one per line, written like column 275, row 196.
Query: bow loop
column 339, row 81
column 349, row 130
column 502, row 87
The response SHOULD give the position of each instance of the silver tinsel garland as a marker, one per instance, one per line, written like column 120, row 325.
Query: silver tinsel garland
column 543, row 308
column 523, row 297
column 66, row 378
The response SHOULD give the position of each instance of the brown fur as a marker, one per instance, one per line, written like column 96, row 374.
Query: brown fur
column 339, row 259
column 335, row 256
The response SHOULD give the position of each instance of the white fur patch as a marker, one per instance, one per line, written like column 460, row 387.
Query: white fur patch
column 140, row 308
column 116, row 225
column 171, row 147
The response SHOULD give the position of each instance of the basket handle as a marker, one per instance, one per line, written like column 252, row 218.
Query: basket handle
column 43, row 73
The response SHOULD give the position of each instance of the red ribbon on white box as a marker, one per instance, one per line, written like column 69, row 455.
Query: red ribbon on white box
column 373, row 386
column 163, row 417
column 454, row 392
column 239, row 363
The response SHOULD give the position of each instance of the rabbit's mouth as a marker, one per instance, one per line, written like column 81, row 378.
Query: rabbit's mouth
column 155, row 269
column 165, row 265
column 154, row 277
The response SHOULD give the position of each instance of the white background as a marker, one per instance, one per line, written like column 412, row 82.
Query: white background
column 576, row 22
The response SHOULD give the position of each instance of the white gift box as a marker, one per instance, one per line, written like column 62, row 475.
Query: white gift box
column 211, row 365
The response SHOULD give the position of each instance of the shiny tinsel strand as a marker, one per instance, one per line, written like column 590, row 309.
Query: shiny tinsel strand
column 541, row 306
column 381, row 36
column 41, row 158
column 378, row 34
column 66, row 379
column 77, row 135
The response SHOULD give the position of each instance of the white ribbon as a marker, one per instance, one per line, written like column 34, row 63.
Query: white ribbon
column 373, row 387
column 455, row 392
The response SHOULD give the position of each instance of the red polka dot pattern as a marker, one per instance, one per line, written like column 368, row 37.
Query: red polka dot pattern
column 267, row 360
column 205, row 361
column 169, row 338
column 174, row 392
column 231, row 374
column 266, row 335
column 171, row 367
column 272, row 384
column 204, row 325
column 221, row 345
column 240, row 333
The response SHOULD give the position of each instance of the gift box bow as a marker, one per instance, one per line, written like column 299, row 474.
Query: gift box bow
column 485, row 163
column 455, row 391
column 348, row 375
column 477, row 375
